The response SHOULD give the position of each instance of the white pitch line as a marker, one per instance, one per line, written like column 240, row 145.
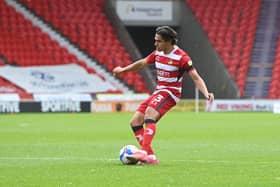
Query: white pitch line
column 228, row 161
column 116, row 159
column 57, row 158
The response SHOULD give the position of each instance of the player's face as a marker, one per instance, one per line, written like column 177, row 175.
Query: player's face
column 160, row 44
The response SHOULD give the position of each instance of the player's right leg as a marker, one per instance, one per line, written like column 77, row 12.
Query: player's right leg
column 146, row 155
column 141, row 156
column 160, row 103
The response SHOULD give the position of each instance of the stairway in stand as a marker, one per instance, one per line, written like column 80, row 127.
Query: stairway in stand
column 260, row 69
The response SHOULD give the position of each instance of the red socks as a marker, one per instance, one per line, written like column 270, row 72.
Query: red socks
column 145, row 137
column 139, row 134
column 149, row 134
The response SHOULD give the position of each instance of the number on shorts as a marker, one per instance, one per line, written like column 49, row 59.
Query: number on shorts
column 157, row 99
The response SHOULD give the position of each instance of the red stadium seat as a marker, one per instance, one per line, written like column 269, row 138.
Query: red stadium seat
column 231, row 34
column 23, row 44
column 274, row 90
column 85, row 24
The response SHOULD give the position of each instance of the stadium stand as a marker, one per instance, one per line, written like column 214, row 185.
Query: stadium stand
column 263, row 53
column 23, row 44
column 9, row 29
column 85, row 24
column 274, row 90
column 230, row 26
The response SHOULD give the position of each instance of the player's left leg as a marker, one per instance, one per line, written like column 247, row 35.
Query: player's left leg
column 137, row 121
column 136, row 124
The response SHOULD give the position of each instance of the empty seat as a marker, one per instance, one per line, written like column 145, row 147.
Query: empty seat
column 230, row 26
column 86, row 25
column 24, row 44
column 274, row 88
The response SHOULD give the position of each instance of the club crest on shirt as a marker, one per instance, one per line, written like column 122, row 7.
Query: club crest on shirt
column 170, row 62
column 190, row 63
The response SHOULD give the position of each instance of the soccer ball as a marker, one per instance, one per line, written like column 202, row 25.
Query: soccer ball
column 126, row 151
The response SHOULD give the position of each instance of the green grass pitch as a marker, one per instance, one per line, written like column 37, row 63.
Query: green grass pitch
column 195, row 150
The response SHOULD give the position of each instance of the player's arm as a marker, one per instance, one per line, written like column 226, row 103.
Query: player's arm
column 136, row 66
column 200, row 84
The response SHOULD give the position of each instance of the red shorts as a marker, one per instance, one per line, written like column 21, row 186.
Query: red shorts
column 161, row 102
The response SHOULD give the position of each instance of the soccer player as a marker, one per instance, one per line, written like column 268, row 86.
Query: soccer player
column 171, row 63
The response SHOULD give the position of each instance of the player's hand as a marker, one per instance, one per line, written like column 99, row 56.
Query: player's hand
column 210, row 97
column 117, row 70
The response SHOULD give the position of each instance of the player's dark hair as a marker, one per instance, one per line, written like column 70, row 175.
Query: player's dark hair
column 167, row 34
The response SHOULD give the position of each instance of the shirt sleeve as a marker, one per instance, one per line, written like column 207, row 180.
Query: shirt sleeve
column 187, row 63
column 151, row 58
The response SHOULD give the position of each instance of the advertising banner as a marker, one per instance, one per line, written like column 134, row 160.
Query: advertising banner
column 241, row 106
column 7, row 89
column 69, row 78
column 276, row 108
column 44, row 106
column 144, row 10
column 9, row 97
column 62, row 97
column 122, row 97
column 9, row 107
column 114, row 106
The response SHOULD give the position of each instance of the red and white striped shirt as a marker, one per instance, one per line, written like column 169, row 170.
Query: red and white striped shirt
column 170, row 69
